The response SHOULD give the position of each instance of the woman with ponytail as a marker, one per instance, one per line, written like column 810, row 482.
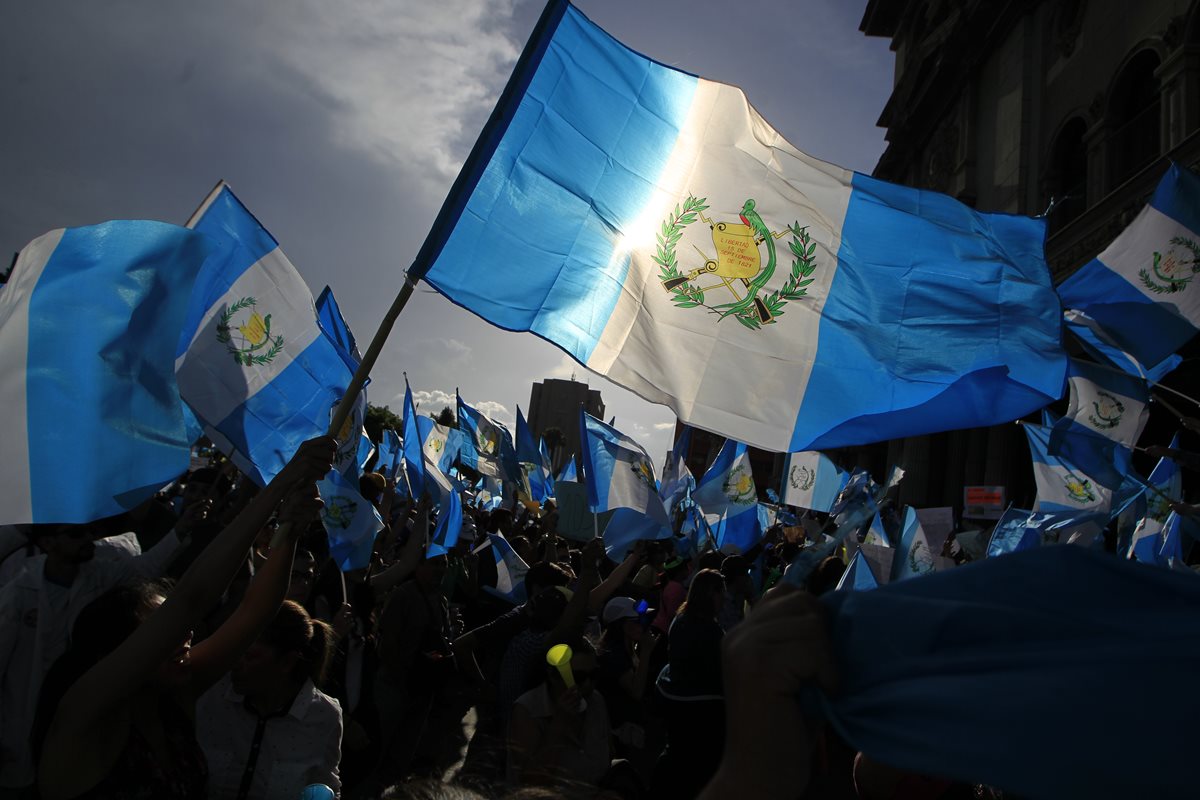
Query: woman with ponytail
column 266, row 728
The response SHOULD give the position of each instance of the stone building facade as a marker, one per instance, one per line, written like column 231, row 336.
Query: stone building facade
column 1076, row 106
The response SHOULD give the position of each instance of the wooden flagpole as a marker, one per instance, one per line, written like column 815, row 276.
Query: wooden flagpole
column 370, row 357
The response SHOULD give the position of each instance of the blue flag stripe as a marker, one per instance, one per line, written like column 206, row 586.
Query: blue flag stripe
column 235, row 238
column 104, row 318
column 589, row 139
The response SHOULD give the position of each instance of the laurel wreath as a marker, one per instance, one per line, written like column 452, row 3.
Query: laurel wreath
column 689, row 295
column 226, row 338
column 1173, row 285
column 804, row 250
column 686, row 295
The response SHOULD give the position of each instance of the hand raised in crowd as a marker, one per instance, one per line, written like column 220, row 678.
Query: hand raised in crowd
column 300, row 507
column 780, row 648
column 593, row 551
column 343, row 621
column 312, row 461
column 192, row 516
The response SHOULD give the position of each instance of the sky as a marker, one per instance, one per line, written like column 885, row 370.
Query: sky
column 342, row 126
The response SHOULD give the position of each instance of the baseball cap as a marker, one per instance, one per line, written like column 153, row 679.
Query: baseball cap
column 619, row 608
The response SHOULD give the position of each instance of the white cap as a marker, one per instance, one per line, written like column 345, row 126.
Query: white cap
column 619, row 608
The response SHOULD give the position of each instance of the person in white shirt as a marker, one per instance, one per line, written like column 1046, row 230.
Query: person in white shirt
column 266, row 729
column 38, row 608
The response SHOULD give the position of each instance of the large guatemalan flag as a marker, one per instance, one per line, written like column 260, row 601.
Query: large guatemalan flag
column 656, row 228
column 253, row 362
column 88, row 325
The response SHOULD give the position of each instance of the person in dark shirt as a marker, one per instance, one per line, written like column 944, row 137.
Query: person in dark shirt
column 691, row 687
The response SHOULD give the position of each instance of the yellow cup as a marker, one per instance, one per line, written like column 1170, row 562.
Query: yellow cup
column 559, row 657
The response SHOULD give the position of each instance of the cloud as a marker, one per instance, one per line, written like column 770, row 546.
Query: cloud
column 568, row 368
column 430, row 402
column 414, row 82
column 664, row 426
column 496, row 411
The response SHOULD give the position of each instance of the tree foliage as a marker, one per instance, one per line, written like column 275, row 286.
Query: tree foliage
column 378, row 419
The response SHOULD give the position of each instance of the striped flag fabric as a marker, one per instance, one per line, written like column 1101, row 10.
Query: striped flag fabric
column 656, row 228
column 812, row 480
column 1141, row 292
column 89, row 320
column 252, row 361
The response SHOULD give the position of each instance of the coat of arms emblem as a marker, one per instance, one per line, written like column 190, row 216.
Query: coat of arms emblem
column 248, row 338
column 739, row 487
column 338, row 512
column 802, row 478
column 1079, row 489
column 737, row 265
column 1106, row 411
column 1173, row 270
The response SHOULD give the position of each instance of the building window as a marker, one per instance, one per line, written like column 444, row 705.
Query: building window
column 1066, row 176
column 1133, row 116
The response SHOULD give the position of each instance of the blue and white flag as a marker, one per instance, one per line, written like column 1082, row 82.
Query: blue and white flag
column 1171, row 552
column 856, row 513
column 1167, row 483
column 1097, row 342
column 350, row 521
column 1107, row 402
column 88, row 325
column 568, row 474
column 913, row 556
column 858, row 575
column 1012, row 533
column 252, row 361
column 625, row 528
column 547, row 470
column 877, row 534
column 480, row 449
column 510, row 571
column 439, row 443
column 329, row 316
column 527, row 449
column 529, row 455
column 352, row 438
column 617, row 471
column 812, row 480
column 729, row 499
column 1018, row 529
column 449, row 525
column 366, row 449
column 676, row 463
column 1064, row 485
column 414, row 458
column 1140, row 291
column 677, row 482
column 390, row 453
column 656, row 228
column 860, row 486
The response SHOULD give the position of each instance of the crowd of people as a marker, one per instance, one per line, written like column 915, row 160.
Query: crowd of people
column 206, row 645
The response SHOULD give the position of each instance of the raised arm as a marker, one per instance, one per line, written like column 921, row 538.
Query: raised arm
column 616, row 579
column 87, row 705
column 411, row 553
column 216, row 655
column 574, row 617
